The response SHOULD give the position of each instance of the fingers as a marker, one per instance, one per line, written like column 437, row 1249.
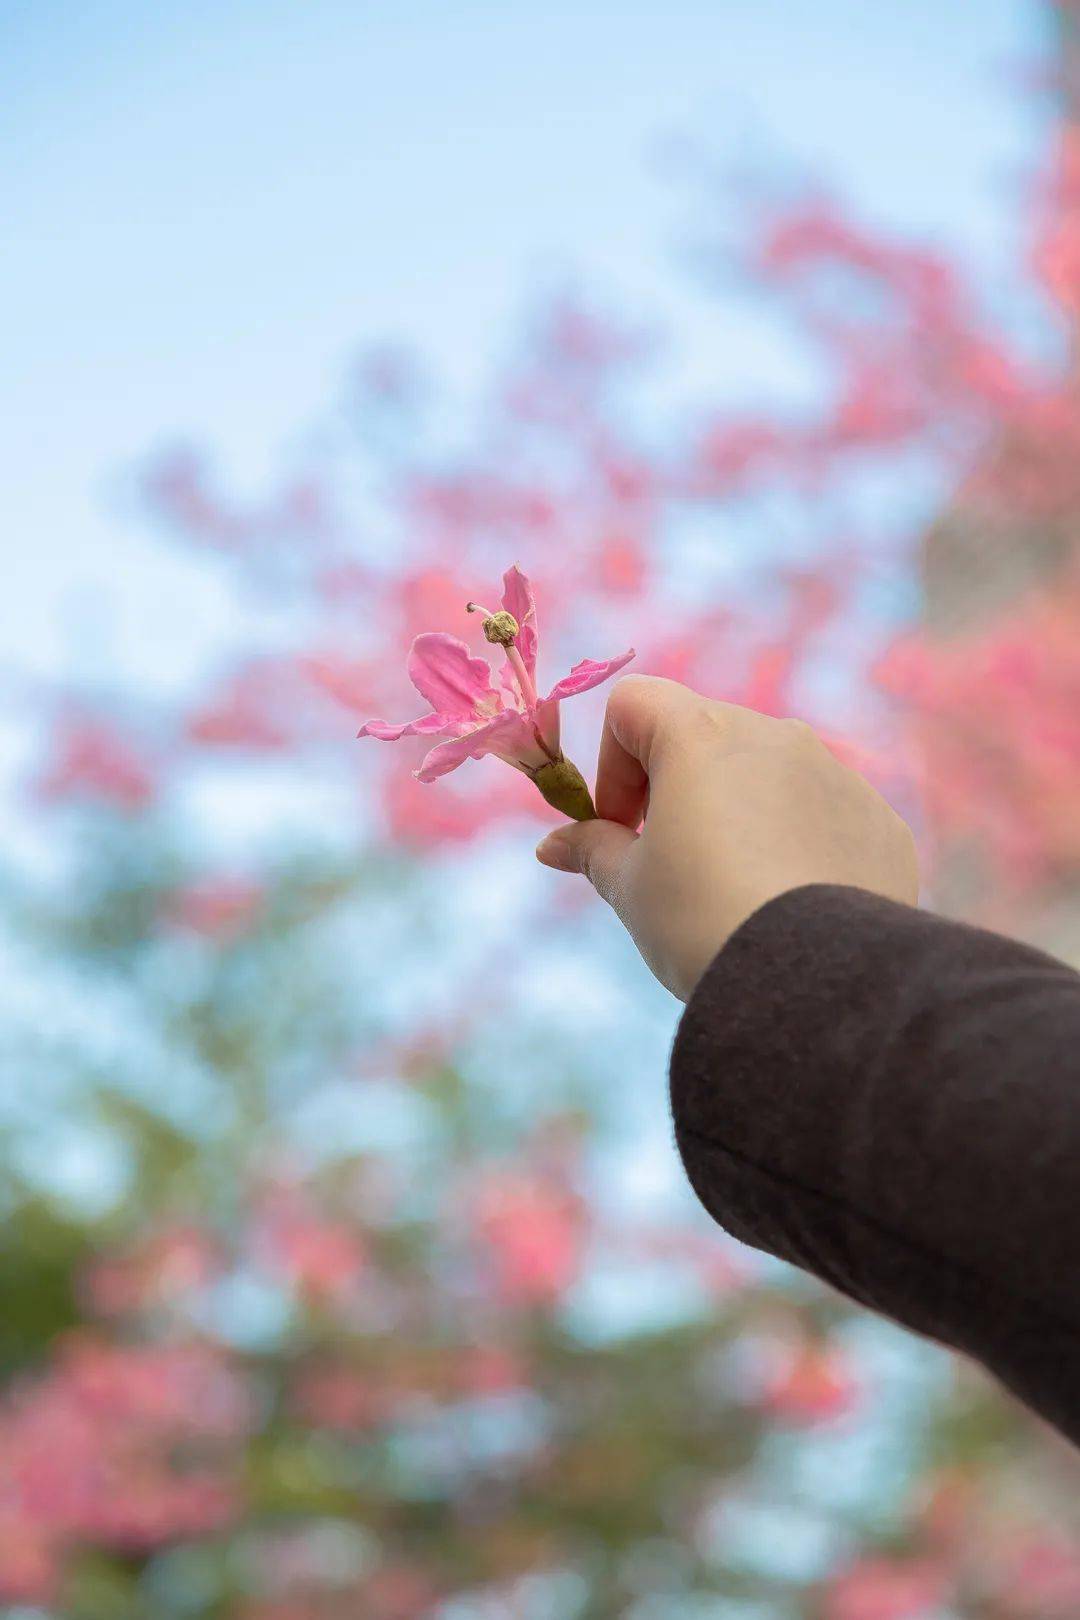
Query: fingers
column 621, row 781
column 642, row 707
column 597, row 849
column 639, row 710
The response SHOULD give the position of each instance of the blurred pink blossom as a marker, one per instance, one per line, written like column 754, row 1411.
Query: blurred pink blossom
column 995, row 714
column 419, row 820
column 817, row 1384
column 125, row 1446
column 219, row 908
column 333, row 1395
column 489, row 1369
column 252, row 710
column 1056, row 258
column 322, row 1258
column 1039, row 1578
column 877, row 1589
column 531, row 1232
column 159, row 1271
column 92, row 759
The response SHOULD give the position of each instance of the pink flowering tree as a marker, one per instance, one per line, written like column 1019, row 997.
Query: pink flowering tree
column 386, row 1296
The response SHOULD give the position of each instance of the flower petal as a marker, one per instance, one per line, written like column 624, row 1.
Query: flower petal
column 587, row 674
column 509, row 688
column 387, row 731
column 508, row 735
column 546, row 715
column 454, row 682
column 518, row 599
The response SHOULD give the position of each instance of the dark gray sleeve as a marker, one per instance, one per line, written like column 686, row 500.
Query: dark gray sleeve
column 892, row 1101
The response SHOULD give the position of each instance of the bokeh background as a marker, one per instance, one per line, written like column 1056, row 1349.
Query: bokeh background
column 346, row 1264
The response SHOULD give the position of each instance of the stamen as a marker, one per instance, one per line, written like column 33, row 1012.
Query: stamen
column 501, row 629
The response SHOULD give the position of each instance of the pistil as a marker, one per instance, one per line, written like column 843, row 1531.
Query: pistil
column 524, row 679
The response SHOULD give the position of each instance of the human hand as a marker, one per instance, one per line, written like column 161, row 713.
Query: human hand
column 738, row 808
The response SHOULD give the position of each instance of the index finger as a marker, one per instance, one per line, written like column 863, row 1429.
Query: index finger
column 637, row 711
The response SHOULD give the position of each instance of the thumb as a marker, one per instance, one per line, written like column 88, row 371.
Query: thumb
column 597, row 849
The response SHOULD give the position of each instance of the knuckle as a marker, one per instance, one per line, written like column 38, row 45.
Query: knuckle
column 707, row 723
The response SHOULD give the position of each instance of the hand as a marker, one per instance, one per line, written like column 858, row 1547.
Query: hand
column 738, row 809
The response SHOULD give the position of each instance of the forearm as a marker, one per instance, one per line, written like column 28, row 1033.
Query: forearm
column 892, row 1101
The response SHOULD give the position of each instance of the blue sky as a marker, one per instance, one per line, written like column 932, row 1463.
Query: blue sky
column 207, row 207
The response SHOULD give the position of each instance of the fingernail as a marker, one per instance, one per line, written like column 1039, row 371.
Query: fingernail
column 555, row 851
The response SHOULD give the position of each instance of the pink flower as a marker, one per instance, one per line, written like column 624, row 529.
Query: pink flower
column 877, row 1589
column 319, row 1257
column 218, row 908
column 1041, row 1578
column 815, row 1386
column 334, row 1396
column 420, row 820
column 247, row 713
column 160, row 1272
column 29, row 1558
column 490, row 1370
column 475, row 716
column 531, row 1233
column 92, row 759
column 125, row 1446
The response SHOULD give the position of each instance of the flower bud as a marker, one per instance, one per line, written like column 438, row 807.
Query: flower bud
column 563, row 786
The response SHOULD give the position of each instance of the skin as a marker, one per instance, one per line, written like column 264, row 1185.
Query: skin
column 707, row 811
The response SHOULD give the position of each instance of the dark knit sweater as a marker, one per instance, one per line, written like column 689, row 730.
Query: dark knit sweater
column 892, row 1101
